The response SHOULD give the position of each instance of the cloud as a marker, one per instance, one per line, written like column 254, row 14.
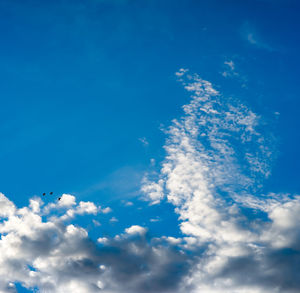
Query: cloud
column 153, row 190
column 234, row 238
column 42, row 251
column 128, row 203
column 122, row 183
column 135, row 229
column 114, row 220
column 253, row 37
column 106, row 210
column 217, row 156
column 144, row 141
column 230, row 64
column 67, row 200
column 153, row 220
column 96, row 223
column 229, row 70
column 218, row 144
column 81, row 209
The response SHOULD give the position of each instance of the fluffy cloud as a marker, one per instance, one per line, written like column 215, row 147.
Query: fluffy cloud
column 39, row 250
column 153, row 190
column 217, row 155
column 135, row 229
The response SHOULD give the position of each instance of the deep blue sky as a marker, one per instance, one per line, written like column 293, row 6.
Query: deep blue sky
column 83, row 82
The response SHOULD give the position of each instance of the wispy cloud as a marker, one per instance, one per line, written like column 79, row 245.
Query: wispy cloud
column 229, row 70
column 144, row 141
column 216, row 156
column 230, row 64
column 123, row 182
column 219, row 140
column 253, row 37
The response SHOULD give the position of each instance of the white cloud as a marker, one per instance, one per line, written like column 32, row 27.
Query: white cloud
column 67, row 200
column 181, row 72
column 106, row 210
column 7, row 208
column 153, row 190
column 135, row 229
column 86, row 208
column 41, row 251
column 172, row 240
column 128, row 204
column 113, row 220
column 216, row 157
column 81, row 209
column 103, row 240
column 202, row 152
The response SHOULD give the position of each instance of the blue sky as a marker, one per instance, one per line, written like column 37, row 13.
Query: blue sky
column 89, row 92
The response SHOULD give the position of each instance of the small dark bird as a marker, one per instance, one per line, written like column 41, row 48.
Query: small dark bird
column 44, row 193
column 59, row 198
column 51, row 193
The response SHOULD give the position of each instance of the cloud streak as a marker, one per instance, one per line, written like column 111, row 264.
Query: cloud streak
column 250, row 34
column 217, row 155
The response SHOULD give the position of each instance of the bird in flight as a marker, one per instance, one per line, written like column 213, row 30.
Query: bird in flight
column 49, row 193
column 59, row 198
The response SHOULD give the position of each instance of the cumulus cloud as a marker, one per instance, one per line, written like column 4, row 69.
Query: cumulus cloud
column 136, row 229
column 42, row 251
column 153, row 190
column 217, row 155
column 81, row 209
column 67, row 200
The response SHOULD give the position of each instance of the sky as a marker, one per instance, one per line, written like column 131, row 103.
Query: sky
column 170, row 132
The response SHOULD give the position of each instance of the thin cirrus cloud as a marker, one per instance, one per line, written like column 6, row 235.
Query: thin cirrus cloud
column 254, row 38
column 217, row 156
